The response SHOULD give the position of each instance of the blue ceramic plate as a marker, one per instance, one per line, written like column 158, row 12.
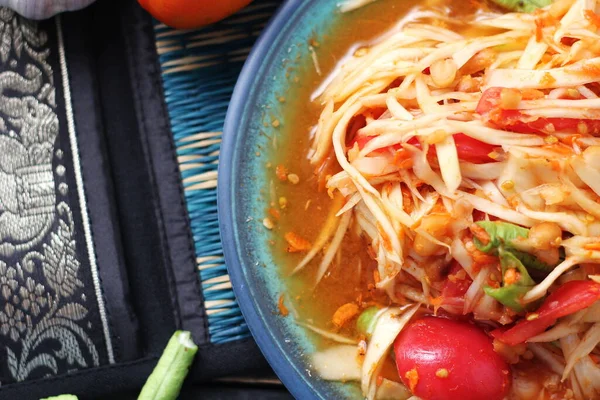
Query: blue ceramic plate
column 242, row 176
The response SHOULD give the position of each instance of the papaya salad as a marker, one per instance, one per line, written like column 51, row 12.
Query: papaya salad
column 466, row 155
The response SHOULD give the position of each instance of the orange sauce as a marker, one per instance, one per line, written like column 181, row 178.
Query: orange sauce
column 351, row 277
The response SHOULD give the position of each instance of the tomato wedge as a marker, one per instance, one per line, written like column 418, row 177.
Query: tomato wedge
column 472, row 150
column 481, row 216
column 453, row 292
column 467, row 148
column 490, row 108
column 443, row 359
column 567, row 299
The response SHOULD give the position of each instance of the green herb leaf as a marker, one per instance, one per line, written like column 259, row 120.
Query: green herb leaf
column 522, row 5
column 501, row 233
column 510, row 294
column 531, row 262
column 62, row 397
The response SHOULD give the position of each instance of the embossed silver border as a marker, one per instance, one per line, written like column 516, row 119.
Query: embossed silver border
column 81, row 192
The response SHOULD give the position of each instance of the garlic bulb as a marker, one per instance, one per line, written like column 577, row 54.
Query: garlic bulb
column 41, row 9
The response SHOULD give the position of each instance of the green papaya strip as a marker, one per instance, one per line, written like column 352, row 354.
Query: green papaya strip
column 365, row 323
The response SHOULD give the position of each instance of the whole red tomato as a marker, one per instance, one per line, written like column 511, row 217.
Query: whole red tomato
column 187, row 14
column 443, row 359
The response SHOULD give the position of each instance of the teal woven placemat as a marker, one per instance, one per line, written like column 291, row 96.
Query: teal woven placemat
column 200, row 68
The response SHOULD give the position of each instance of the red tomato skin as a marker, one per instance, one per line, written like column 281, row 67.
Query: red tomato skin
column 475, row 370
column 567, row 299
column 467, row 148
column 516, row 121
column 472, row 150
column 188, row 14
column 480, row 216
column 453, row 292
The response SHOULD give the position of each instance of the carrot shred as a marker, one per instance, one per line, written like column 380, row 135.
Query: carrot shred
column 281, row 172
column 296, row 242
column 531, row 94
column 592, row 246
column 559, row 148
column 283, row 310
column 480, row 259
column 436, row 302
column 274, row 213
column 539, row 27
column 385, row 239
column 407, row 200
column 571, row 139
column 371, row 252
column 403, row 159
column 480, row 233
column 376, row 277
column 344, row 314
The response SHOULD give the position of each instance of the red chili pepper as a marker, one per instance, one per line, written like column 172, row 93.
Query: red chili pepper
column 567, row 299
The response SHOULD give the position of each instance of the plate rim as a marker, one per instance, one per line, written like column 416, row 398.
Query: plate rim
column 297, row 383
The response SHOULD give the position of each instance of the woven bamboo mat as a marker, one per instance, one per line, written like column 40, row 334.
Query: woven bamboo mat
column 200, row 68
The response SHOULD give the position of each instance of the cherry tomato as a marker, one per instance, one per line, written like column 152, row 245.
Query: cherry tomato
column 443, row 359
column 467, row 148
column 567, row 299
column 516, row 121
column 187, row 14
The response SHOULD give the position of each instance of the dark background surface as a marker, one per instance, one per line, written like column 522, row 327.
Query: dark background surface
column 256, row 383
column 222, row 391
column 263, row 384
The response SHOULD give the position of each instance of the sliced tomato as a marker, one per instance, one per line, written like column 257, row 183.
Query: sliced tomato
column 490, row 108
column 357, row 123
column 467, row 148
column 453, row 293
column 481, row 216
column 456, row 287
column 472, row 150
column 567, row 299
column 445, row 359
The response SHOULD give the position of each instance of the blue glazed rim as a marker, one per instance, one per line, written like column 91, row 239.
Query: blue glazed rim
column 296, row 382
